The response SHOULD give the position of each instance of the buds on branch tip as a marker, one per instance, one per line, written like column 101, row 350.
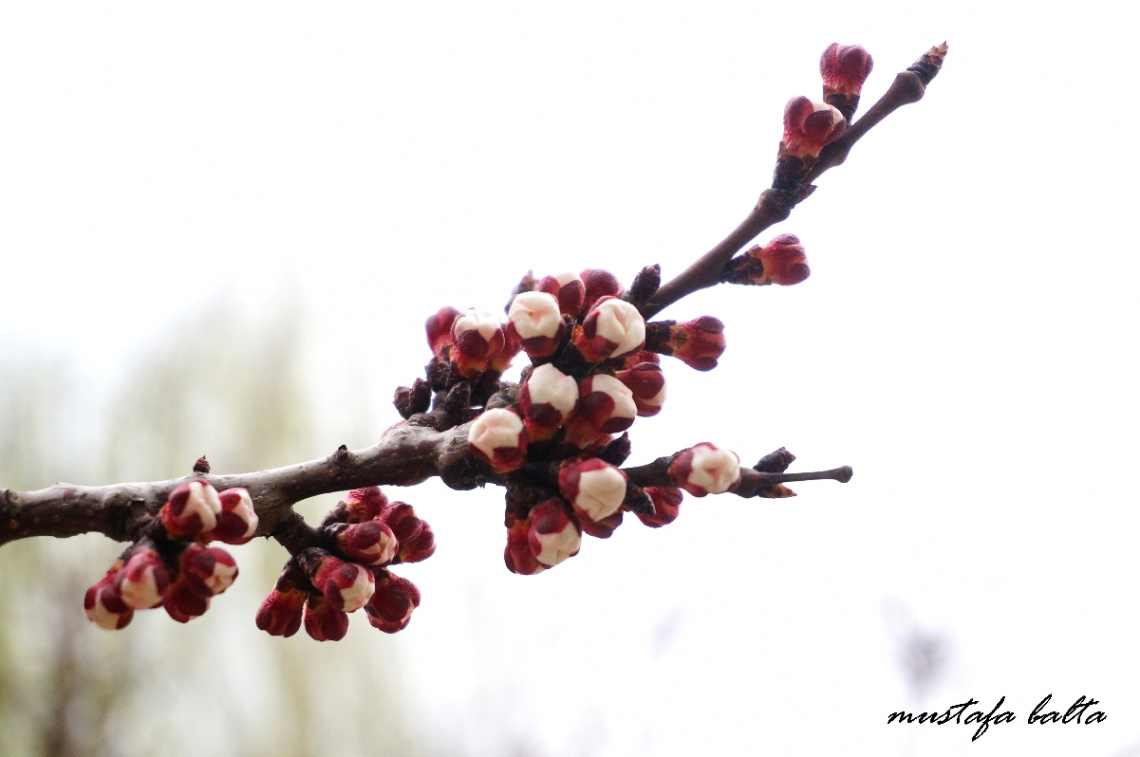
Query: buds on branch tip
column 782, row 261
column 698, row 343
column 844, row 68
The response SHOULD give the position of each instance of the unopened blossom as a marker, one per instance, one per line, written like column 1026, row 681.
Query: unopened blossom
column 593, row 487
column 439, row 330
column 699, row 343
column 518, row 555
column 612, row 328
column 144, row 581
column 782, row 261
column 103, row 603
column 184, row 604
column 499, row 438
column 546, row 398
column 236, row 521
column 666, row 506
column 415, row 537
column 191, row 509
column 346, row 585
column 368, row 543
column 646, row 382
column 362, row 505
column 705, row 469
column 844, row 68
column 552, row 535
column 535, row 319
column 324, row 622
column 568, row 289
column 281, row 612
column 207, row 570
column 390, row 608
column 605, row 406
column 599, row 283
column 477, row 337
column 809, row 127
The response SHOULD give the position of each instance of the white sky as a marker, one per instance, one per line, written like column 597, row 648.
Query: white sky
column 966, row 341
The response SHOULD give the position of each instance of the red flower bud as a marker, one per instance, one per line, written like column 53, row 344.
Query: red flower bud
column 280, row 613
column 781, row 261
column 546, row 399
column 568, row 289
column 207, row 570
column 439, row 330
column 391, row 606
column 324, row 622
column 605, row 406
column 598, row 284
column 477, row 338
column 646, row 381
column 535, row 320
column 499, row 438
column 666, row 506
column 237, row 520
column 191, row 509
column 417, row 542
column 809, row 127
column 104, row 604
column 518, row 556
column 698, row 343
column 362, row 505
column 612, row 328
column 705, row 469
column 346, row 585
column 183, row 603
column 369, row 543
column 144, row 581
column 551, row 535
column 593, row 487
column 844, row 68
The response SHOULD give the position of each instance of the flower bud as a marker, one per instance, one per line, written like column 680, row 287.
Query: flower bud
column 499, row 438
column 666, row 506
column 552, row 536
column 546, row 399
column 612, row 328
column 144, row 581
column 280, row 613
column 346, row 585
column 324, row 622
column 518, row 556
column 207, row 570
column 844, row 68
column 439, row 330
column 809, row 127
column 705, row 469
column 781, row 261
column 594, row 488
column 103, row 603
column 477, row 337
column 605, row 406
column 568, row 289
column 417, row 542
column 369, row 543
column 362, row 505
column 184, row 603
column 237, row 520
column 646, row 382
column 598, row 284
column 698, row 343
column 535, row 318
column 391, row 606
column 192, row 508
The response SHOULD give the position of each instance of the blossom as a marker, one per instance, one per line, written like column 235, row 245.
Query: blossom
column 191, row 509
column 705, row 469
column 535, row 318
column 546, row 398
column 499, row 438
column 612, row 328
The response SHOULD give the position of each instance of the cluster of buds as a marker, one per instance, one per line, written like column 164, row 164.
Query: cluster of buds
column 171, row 565
column 358, row 541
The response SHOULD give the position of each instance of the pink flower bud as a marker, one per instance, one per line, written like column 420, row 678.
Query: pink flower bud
column 546, row 398
column 439, row 330
column 391, row 606
column 698, row 343
column 593, row 487
column 568, row 289
column 144, row 581
column 646, row 382
column 612, row 328
column 598, row 283
column 417, row 542
column 666, row 506
column 324, row 622
column 552, row 536
column 369, row 543
column 518, row 555
column 280, row 613
column 192, row 508
column 605, row 406
column 844, row 68
column 207, row 570
column 535, row 318
column 477, row 338
column 362, row 505
column 810, row 126
column 781, row 261
column 499, row 438
column 237, row 520
column 346, row 585
column 183, row 603
column 705, row 469
column 104, row 604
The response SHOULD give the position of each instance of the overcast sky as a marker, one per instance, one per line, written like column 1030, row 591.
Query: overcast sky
column 967, row 339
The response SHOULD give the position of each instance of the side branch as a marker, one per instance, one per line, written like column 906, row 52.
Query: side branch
column 406, row 455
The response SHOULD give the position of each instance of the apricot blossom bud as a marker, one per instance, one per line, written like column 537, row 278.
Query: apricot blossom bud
column 568, row 289
column 191, row 509
column 809, row 127
column 646, row 382
column 324, row 622
column 698, row 343
column 612, row 328
column 346, row 585
column 499, row 438
column 517, row 555
column 598, row 284
column 280, row 614
column 417, row 542
column 552, row 535
column 782, row 261
column 535, row 318
column 546, row 398
column 477, row 338
column 666, row 506
column 391, row 606
column 207, row 570
column 605, row 406
column 236, row 521
column 103, row 603
column 439, row 330
column 844, row 68
column 144, row 581
column 362, row 505
column 183, row 603
column 705, row 469
column 368, row 543
column 593, row 487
